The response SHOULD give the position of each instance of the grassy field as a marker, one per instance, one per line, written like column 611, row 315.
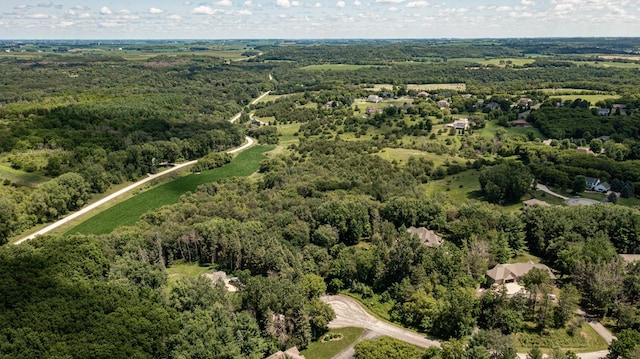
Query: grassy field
column 403, row 154
column 181, row 270
column 461, row 187
column 587, row 340
column 335, row 67
column 129, row 212
column 421, row 87
column 490, row 128
column 21, row 178
column 591, row 98
column 326, row 350
column 516, row 61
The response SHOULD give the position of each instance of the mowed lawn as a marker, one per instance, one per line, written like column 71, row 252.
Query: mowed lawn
column 129, row 211
column 328, row 349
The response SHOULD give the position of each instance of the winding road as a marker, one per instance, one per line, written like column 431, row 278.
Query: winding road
column 349, row 313
column 248, row 143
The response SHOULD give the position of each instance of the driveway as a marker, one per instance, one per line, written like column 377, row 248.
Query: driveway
column 546, row 189
column 350, row 313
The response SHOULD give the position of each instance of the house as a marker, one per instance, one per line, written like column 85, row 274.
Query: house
column 493, row 106
column 604, row 138
column 222, row 276
column 467, row 95
column 422, row 94
column 427, row 237
column 525, row 101
column 511, row 273
column 591, row 183
column 291, row 353
column 619, row 106
column 535, row 202
column 329, row 104
column 585, row 150
column 460, row 124
column 520, row 123
column 374, row 98
column 444, row 104
column 603, row 111
column 371, row 110
column 603, row 187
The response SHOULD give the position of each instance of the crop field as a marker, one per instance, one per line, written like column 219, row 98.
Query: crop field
column 129, row 211
column 335, row 67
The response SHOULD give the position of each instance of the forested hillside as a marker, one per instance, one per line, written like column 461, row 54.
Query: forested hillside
column 370, row 139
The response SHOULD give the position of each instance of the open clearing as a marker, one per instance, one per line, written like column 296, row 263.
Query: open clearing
column 421, row 87
column 129, row 212
column 502, row 62
column 336, row 67
column 593, row 99
column 21, row 178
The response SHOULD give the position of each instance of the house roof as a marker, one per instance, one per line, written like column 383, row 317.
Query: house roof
column 292, row 353
column 427, row 237
column 514, row 271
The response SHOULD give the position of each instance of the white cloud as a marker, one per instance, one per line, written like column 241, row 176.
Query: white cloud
column 417, row 4
column 248, row 3
column 389, row 1
column 84, row 16
column 65, row 24
column 244, row 12
column 283, row 3
column 46, row 4
column 296, row 3
column 341, row 4
column 110, row 24
column 357, row 3
column 21, row 7
column 174, row 17
column 187, row 2
column 80, row 7
column 39, row 16
column 224, row 3
column 70, row 13
column 528, row 2
column 105, row 11
column 124, row 12
column 204, row 10
column 155, row 10
column 504, row 8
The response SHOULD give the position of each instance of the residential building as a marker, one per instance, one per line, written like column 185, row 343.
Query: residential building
column 427, row 237
column 510, row 273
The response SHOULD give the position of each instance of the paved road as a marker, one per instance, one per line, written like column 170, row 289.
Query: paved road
column 249, row 142
column 546, row 189
column 349, row 313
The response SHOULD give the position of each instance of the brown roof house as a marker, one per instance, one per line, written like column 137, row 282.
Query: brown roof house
column 427, row 237
column 291, row 353
column 510, row 273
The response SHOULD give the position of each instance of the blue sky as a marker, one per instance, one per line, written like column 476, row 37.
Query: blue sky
column 300, row 19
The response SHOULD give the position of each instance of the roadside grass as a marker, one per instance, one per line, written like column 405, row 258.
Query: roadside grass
column 336, row 67
column 21, row 178
column 553, row 200
column 587, row 340
column 129, row 211
column 328, row 349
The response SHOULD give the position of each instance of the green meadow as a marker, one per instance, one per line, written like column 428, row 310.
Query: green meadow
column 129, row 211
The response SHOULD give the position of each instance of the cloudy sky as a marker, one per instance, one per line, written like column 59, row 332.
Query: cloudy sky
column 297, row 19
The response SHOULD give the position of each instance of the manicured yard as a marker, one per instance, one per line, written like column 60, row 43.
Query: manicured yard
column 129, row 211
column 461, row 187
column 328, row 349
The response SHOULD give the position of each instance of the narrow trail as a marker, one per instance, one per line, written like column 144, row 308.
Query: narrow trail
column 249, row 142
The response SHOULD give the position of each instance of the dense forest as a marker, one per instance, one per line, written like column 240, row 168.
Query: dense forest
column 445, row 135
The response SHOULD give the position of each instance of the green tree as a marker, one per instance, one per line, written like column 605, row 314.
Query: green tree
column 506, row 182
column 625, row 346
column 595, row 145
column 579, row 184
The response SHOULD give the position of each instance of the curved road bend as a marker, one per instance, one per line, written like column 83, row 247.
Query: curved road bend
column 249, row 142
column 349, row 313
